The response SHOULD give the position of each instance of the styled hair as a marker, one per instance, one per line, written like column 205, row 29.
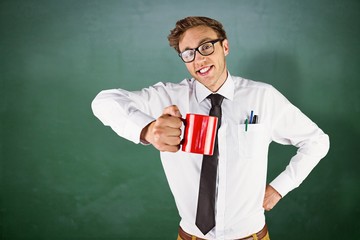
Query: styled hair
column 194, row 21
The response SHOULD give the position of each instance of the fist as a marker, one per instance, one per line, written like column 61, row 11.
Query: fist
column 164, row 133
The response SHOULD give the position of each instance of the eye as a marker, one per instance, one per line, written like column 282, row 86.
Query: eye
column 206, row 46
column 188, row 54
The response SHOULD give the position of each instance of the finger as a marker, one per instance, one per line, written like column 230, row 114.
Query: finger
column 166, row 136
column 268, row 207
column 167, row 148
column 172, row 110
column 173, row 141
column 169, row 136
column 173, row 132
column 270, row 201
column 169, row 121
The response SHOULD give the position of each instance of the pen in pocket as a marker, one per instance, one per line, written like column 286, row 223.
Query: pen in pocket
column 255, row 119
column 252, row 120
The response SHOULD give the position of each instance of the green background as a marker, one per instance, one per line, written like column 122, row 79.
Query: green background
column 63, row 175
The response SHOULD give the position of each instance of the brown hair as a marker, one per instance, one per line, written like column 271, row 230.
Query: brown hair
column 189, row 22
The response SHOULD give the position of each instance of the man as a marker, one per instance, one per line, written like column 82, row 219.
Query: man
column 235, row 208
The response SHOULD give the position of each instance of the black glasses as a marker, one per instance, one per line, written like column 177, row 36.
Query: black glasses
column 204, row 49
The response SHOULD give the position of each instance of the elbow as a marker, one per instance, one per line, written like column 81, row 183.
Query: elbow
column 322, row 146
column 95, row 105
column 100, row 104
column 326, row 145
column 317, row 147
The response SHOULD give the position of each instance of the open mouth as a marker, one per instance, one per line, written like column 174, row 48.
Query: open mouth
column 204, row 71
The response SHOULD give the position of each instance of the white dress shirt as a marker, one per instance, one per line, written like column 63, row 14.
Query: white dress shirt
column 243, row 154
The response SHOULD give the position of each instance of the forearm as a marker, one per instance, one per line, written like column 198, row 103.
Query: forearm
column 300, row 166
column 121, row 113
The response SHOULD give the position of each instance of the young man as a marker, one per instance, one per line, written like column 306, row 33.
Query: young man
column 237, row 194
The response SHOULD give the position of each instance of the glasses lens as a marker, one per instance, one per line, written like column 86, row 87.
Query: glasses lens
column 188, row 55
column 206, row 49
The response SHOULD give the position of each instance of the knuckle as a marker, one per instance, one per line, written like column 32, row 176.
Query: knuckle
column 173, row 107
column 172, row 110
column 168, row 108
column 160, row 120
column 157, row 135
column 156, row 132
column 179, row 123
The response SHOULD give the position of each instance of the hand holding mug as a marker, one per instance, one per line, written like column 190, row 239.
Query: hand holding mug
column 164, row 133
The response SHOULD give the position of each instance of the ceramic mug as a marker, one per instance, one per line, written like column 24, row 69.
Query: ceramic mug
column 199, row 134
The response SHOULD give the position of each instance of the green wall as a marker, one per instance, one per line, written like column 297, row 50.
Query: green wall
column 63, row 175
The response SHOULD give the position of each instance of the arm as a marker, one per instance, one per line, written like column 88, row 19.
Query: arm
column 134, row 115
column 292, row 127
column 127, row 113
column 313, row 144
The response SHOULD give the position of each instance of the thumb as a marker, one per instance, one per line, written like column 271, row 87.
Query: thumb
column 172, row 110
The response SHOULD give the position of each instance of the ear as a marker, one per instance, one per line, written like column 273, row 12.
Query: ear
column 225, row 45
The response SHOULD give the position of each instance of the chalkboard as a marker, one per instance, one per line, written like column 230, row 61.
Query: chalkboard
column 63, row 175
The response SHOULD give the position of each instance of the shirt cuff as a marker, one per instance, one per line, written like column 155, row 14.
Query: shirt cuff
column 283, row 184
column 135, row 124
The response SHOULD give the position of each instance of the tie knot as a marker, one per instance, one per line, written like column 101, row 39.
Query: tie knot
column 216, row 99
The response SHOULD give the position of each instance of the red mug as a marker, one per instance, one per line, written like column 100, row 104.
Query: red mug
column 199, row 135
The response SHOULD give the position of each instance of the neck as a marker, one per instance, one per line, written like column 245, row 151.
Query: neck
column 221, row 82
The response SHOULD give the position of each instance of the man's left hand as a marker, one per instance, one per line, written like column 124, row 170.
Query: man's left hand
column 272, row 197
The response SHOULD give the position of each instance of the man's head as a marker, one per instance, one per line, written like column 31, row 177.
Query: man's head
column 202, row 44
column 189, row 22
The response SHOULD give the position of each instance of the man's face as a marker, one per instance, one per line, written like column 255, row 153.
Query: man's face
column 209, row 70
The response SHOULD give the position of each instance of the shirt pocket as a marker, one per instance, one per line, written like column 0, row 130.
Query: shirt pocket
column 253, row 141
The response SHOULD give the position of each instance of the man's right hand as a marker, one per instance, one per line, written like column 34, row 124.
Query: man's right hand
column 164, row 133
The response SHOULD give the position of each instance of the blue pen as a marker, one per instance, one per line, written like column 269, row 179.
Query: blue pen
column 251, row 117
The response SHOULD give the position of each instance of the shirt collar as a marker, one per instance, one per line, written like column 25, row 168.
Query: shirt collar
column 226, row 90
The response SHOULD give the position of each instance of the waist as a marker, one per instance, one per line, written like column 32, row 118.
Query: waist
column 235, row 227
column 255, row 236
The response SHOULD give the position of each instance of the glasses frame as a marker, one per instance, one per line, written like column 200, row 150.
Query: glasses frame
column 197, row 50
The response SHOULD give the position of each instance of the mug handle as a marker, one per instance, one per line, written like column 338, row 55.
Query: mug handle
column 183, row 139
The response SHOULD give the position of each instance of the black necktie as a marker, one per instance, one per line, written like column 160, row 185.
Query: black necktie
column 205, row 216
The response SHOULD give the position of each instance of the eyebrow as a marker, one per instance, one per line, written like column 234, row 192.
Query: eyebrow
column 204, row 40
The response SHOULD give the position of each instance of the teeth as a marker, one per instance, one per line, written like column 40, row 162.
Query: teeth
column 203, row 70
